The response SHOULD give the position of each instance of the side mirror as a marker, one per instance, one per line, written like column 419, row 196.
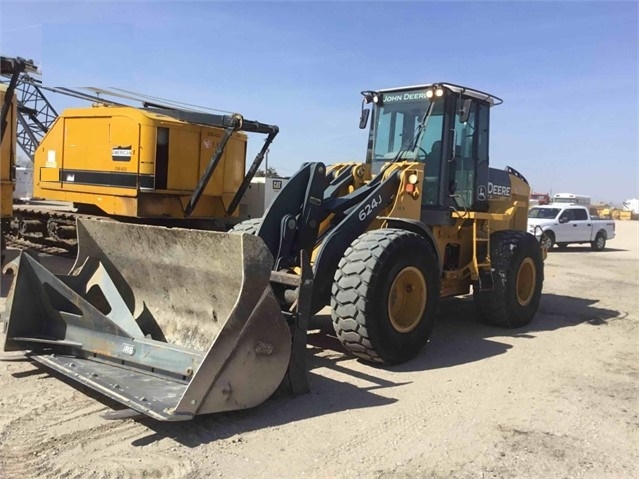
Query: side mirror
column 363, row 119
column 563, row 219
column 464, row 114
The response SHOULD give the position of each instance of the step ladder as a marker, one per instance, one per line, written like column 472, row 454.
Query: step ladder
column 481, row 270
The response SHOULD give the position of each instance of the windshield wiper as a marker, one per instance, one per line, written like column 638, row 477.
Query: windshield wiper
column 414, row 139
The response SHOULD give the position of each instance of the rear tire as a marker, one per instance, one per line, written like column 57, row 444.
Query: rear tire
column 518, row 274
column 247, row 226
column 385, row 295
column 599, row 243
column 562, row 245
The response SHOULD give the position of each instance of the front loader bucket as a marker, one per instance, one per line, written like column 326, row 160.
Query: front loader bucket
column 169, row 322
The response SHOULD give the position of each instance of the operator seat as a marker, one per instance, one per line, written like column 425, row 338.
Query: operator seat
column 435, row 152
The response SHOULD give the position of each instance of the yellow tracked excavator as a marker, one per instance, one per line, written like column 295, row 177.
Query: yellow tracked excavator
column 174, row 322
column 163, row 163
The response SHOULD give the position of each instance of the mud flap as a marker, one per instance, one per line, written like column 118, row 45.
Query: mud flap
column 169, row 322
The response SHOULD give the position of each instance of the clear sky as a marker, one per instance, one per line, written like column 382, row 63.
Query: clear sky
column 568, row 71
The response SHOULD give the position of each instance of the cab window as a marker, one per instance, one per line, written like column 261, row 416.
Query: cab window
column 567, row 215
column 580, row 214
column 464, row 156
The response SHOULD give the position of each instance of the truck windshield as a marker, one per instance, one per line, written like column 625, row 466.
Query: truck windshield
column 544, row 213
column 406, row 129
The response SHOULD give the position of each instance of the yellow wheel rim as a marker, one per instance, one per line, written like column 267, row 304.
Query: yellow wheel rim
column 407, row 299
column 526, row 281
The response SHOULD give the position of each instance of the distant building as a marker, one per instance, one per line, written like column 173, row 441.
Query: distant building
column 572, row 199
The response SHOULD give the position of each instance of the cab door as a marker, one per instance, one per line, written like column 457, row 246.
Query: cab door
column 468, row 159
column 581, row 226
column 564, row 230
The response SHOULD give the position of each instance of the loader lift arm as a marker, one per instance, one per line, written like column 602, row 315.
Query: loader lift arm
column 292, row 221
column 290, row 230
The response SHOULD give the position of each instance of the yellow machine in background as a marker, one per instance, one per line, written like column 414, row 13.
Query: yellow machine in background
column 13, row 68
column 7, row 157
column 135, row 163
column 155, row 164
column 164, row 163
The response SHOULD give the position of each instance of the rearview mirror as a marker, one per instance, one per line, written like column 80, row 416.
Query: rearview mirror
column 564, row 219
column 464, row 114
column 363, row 119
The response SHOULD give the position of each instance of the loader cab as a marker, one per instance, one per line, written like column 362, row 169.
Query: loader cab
column 444, row 126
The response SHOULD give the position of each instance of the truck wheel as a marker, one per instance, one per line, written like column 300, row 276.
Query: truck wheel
column 548, row 240
column 599, row 243
column 562, row 245
column 247, row 226
column 385, row 295
column 518, row 274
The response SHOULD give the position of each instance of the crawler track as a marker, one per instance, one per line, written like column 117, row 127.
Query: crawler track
column 50, row 228
column 43, row 228
column 23, row 244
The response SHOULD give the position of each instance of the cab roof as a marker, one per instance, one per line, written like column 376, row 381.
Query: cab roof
column 480, row 95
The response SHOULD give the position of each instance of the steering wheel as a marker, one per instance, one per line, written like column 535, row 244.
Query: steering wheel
column 421, row 150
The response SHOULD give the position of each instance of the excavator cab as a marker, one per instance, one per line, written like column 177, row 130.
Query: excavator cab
column 173, row 323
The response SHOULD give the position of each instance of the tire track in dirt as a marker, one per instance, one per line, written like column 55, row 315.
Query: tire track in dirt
column 64, row 437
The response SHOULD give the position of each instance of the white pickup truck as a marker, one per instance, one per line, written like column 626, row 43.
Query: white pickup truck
column 562, row 225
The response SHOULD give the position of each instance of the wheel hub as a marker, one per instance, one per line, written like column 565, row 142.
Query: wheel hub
column 526, row 281
column 407, row 299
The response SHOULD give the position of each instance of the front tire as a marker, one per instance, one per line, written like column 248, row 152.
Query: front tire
column 385, row 295
column 518, row 275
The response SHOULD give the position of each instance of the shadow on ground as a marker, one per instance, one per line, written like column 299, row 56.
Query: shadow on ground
column 327, row 396
column 459, row 338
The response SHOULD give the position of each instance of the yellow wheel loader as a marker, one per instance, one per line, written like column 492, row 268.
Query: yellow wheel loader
column 173, row 323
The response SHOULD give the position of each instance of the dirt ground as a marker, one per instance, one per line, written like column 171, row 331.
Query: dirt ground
column 558, row 398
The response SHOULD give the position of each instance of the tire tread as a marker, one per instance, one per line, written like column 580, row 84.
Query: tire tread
column 357, row 270
column 493, row 305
